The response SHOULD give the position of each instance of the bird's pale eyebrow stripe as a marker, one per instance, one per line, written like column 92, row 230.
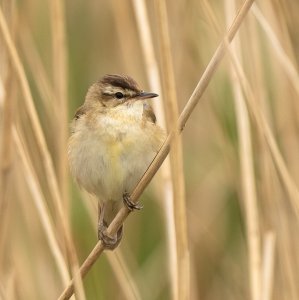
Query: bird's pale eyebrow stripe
column 107, row 94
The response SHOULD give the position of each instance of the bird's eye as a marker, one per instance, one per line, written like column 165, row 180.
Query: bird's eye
column 119, row 95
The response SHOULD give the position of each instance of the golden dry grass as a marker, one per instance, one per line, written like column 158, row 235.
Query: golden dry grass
column 229, row 194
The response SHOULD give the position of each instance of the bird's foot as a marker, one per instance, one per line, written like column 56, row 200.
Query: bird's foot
column 109, row 242
column 129, row 204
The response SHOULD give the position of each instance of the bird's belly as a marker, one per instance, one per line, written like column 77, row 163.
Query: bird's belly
column 110, row 162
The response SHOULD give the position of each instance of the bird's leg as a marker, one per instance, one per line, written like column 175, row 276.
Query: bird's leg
column 129, row 204
column 109, row 242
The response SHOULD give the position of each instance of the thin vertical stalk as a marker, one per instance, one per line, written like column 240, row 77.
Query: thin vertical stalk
column 7, row 112
column 6, row 153
column 60, row 89
column 176, row 155
column 151, row 64
column 268, row 266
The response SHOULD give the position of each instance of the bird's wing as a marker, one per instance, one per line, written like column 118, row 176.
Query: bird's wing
column 80, row 111
column 148, row 113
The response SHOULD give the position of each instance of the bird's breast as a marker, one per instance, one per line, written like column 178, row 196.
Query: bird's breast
column 110, row 157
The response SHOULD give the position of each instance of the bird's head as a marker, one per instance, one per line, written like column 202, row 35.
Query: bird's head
column 115, row 90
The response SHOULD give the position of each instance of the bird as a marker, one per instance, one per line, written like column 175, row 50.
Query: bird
column 114, row 138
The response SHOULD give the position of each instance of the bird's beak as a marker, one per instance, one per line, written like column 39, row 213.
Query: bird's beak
column 146, row 95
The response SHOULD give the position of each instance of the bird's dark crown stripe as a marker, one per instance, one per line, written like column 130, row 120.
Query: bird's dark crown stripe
column 124, row 82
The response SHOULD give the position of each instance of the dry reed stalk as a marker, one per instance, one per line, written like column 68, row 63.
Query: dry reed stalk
column 258, row 80
column 268, row 266
column 151, row 64
column 288, row 278
column 157, row 162
column 256, row 65
column 39, row 203
column 6, row 154
column 60, row 89
column 153, row 76
column 176, row 155
column 247, row 172
column 122, row 13
column 8, row 106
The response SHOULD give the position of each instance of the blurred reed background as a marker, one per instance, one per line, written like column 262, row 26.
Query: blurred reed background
column 239, row 151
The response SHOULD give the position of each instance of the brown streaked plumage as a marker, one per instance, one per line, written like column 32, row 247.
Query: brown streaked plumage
column 114, row 139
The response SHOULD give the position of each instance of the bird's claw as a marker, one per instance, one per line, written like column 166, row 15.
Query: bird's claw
column 129, row 204
column 109, row 242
